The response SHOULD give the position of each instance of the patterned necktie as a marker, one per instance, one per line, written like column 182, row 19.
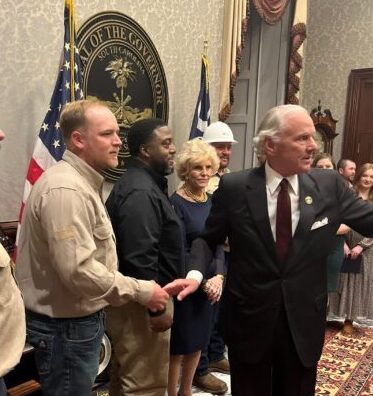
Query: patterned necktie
column 283, row 222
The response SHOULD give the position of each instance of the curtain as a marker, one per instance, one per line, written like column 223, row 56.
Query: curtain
column 235, row 24
column 270, row 11
column 297, row 36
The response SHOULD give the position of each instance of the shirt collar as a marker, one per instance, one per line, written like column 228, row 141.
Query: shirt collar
column 273, row 180
column 94, row 178
column 225, row 171
column 160, row 180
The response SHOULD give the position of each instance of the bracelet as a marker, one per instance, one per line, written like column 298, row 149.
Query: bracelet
column 220, row 276
column 156, row 313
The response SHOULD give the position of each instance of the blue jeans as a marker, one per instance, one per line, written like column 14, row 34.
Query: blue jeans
column 66, row 352
column 3, row 391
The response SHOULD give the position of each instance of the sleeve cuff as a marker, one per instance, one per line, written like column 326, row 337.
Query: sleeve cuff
column 194, row 274
column 144, row 291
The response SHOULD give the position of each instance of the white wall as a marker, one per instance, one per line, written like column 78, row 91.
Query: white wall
column 31, row 42
column 339, row 39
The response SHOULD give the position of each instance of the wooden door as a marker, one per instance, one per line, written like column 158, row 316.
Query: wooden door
column 358, row 128
column 261, row 83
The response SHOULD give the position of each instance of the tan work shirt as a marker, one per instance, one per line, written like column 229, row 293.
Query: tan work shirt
column 12, row 317
column 212, row 186
column 67, row 261
column 214, row 181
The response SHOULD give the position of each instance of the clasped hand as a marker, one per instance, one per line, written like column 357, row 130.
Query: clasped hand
column 213, row 288
column 161, row 323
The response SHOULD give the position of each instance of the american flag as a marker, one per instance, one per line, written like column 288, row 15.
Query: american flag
column 201, row 119
column 49, row 146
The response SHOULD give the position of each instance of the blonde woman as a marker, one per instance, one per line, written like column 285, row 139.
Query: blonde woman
column 195, row 164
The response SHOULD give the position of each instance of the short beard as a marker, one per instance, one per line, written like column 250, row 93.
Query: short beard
column 168, row 171
column 162, row 168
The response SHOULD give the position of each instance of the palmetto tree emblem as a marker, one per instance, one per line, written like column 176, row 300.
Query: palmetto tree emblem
column 120, row 70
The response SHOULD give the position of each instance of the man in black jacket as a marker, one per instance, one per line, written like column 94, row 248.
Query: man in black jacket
column 149, row 246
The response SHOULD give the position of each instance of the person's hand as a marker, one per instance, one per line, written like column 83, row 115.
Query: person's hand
column 346, row 250
column 213, row 288
column 181, row 288
column 343, row 229
column 161, row 323
column 158, row 299
column 355, row 252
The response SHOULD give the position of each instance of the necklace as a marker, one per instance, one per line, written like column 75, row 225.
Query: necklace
column 196, row 198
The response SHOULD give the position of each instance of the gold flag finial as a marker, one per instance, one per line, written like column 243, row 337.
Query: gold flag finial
column 205, row 47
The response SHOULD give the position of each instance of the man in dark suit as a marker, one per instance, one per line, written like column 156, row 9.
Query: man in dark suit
column 280, row 233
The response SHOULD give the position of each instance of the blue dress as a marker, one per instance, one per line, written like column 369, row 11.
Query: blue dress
column 191, row 327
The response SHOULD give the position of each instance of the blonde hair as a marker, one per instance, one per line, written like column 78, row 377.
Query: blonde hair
column 194, row 152
column 359, row 174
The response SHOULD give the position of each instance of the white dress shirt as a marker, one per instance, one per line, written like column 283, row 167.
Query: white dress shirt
column 273, row 180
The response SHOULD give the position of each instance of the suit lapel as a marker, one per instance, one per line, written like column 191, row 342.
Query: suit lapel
column 256, row 195
column 309, row 202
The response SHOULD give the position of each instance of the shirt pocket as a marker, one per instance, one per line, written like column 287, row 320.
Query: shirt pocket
column 102, row 234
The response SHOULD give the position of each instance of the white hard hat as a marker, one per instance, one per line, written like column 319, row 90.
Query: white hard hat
column 218, row 132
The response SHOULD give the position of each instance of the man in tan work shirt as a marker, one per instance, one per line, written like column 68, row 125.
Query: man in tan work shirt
column 12, row 316
column 67, row 262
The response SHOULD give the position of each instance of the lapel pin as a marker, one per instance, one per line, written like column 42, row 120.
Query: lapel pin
column 308, row 200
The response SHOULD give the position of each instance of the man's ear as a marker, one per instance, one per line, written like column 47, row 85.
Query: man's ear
column 269, row 146
column 77, row 139
column 144, row 151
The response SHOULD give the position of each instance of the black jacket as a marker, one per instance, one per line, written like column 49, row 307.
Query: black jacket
column 147, row 230
column 258, row 286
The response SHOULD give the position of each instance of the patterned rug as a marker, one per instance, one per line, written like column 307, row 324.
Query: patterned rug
column 345, row 368
column 346, row 365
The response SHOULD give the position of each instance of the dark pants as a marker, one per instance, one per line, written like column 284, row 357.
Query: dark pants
column 214, row 351
column 215, row 348
column 66, row 352
column 281, row 373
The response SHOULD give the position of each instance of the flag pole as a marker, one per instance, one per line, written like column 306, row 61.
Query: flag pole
column 70, row 5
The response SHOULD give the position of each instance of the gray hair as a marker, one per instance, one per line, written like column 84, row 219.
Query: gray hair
column 272, row 123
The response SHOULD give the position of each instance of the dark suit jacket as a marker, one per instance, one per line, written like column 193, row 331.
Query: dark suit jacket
column 257, row 285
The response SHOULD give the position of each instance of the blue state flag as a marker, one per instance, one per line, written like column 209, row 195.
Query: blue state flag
column 201, row 119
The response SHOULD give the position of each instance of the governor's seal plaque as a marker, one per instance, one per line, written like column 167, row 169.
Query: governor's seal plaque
column 121, row 67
